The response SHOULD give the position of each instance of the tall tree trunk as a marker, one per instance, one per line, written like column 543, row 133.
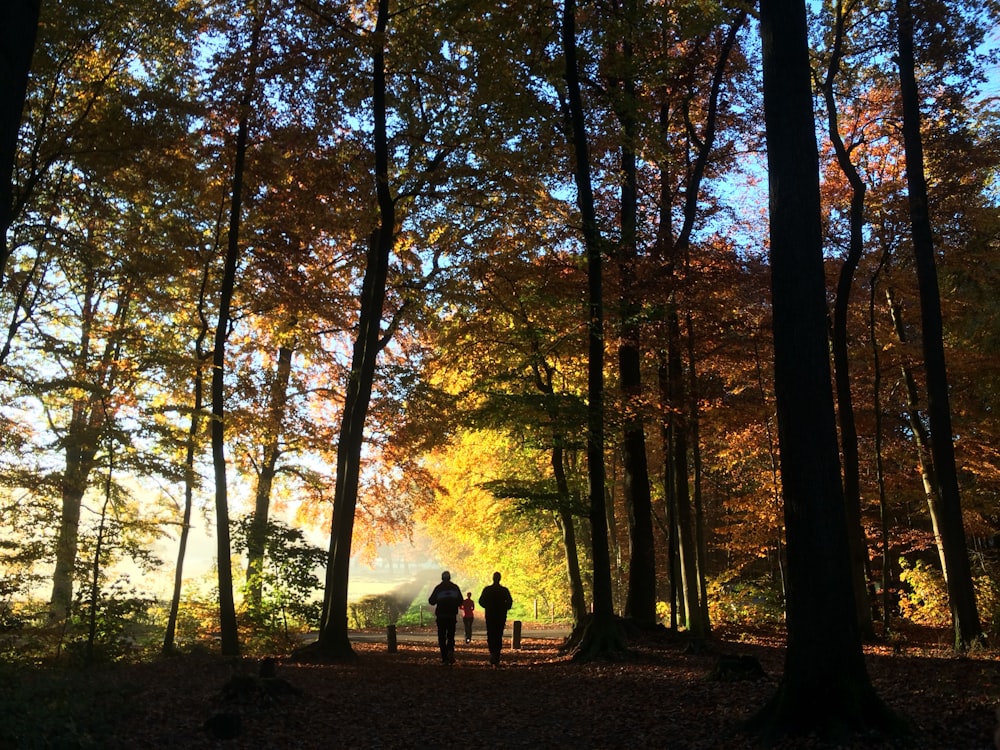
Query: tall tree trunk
column 189, row 473
column 773, row 459
column 18, row 29
column 860, row 562
column 87, row 423
column 640, row 603
column 921, row 438
column 688, row 553
column 672, row 253
column 699, row 511
column 603, row 635
column 333, row 637
column 961, row 593
column 229, row 633
column 577, row 600
column 825, row 688
column 194, row 427
column 883, row 501
column 257, row 538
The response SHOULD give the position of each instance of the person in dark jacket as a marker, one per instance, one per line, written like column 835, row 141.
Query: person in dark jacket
column 496, row 600
column 446, row 599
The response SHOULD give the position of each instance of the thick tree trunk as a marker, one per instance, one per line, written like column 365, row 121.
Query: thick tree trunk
column 825, row 688
column 640, row 603
column 333, row 640
column 18, row 29
column 961, row 593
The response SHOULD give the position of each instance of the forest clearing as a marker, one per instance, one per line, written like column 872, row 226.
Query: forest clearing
column 661, row 696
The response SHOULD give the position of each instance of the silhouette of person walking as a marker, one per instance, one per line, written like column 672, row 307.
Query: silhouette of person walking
column 446, row 598
column 496, row 600
column 468, row 607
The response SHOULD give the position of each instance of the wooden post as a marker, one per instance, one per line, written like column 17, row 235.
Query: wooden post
column 391, row 638
column 515, row 641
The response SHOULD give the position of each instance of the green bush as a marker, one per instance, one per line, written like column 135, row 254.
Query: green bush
column 375, row 611
column 734, row 601
column 923, row 596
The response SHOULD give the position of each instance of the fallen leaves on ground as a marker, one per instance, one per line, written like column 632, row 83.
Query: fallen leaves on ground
column 660, row 698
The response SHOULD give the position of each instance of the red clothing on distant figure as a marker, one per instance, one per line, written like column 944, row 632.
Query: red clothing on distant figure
column 468, row 607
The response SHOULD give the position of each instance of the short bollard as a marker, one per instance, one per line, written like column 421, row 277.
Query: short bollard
column 515, row 640
column 391, row 638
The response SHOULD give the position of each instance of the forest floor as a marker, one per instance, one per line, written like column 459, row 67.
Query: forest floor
column 660, row 697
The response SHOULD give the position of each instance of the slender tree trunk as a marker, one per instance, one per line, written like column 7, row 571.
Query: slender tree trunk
column 333, row 637
column 685, row 522
column 825, row 688
column 699, row 510
column 229, row 632
column 87, row 423
column 921, row 438
column 672, row 253
column 257, row 538
column 578, row 602
column 883, row 501
column 603, row 636
column 189, row 469
column 194, row 427
column 860, row 562
column 18, row 29
column 772, row 455
column 961, row 593
column 669, row 493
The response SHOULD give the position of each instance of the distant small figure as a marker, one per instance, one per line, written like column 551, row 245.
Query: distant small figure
column 468, row 608
column 496, row 600
column 446, row 599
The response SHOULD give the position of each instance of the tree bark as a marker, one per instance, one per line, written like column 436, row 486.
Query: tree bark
column 271, row 453
column 189, row 473
column 333, row 642
column 921, row 438
column 961, row 593
column 603, row 636
column 87, row 424
column 860, row 562
column 229, row 633
column 18, row 29
column 640, row 603
column 825, row 688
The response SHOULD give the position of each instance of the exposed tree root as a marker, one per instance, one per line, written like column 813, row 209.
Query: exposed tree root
column 598, row 639
column 318, row 653
column 840, row 714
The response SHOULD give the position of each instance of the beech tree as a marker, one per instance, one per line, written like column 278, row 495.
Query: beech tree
column 602, row 634
column 965, row 615
column 825, row 688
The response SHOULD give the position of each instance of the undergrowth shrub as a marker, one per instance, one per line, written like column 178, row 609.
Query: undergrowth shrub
column 923, row 596
column 735, row 601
